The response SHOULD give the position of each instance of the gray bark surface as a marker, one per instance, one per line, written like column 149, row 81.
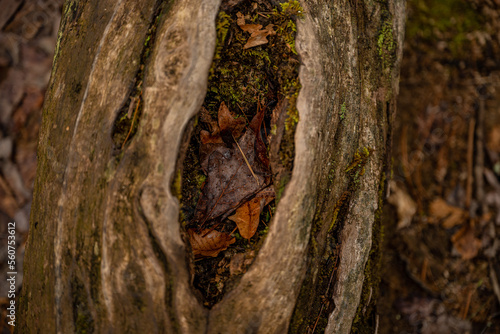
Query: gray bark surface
column 105, row 253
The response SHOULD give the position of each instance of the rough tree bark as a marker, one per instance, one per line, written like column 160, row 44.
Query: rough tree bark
column 105, row 253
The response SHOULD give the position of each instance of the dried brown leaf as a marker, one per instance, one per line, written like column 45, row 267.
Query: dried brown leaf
column 227, row 125
column 209, row 243
column 258, row 36
column 207, row 138
column 260, row 146
column 466, row 243
column 247, row 215
column 227, row 121
column 405, row 205
column 450, row 215
column 251, row 28
column 240, row 19
column 229, row 179
column 234, row 174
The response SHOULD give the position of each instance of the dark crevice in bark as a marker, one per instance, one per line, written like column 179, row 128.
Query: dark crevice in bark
column 82, row 316
column 313, row 309
column 162, row 259
column 127, row 119
column 365, row 319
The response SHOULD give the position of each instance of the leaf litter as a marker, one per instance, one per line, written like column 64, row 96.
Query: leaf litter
column 234, row 172
column 258, row 35
column 239, row 156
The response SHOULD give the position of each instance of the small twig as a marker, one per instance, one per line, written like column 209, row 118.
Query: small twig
column 467, row 304
column 405, row 161
column 132, row 106
column 479, row 164
column 423, row 274
column 248, row 164
column 317, row 319
column 244, row 115
column 368, row 301
column 470, row 163
column 211, row 229
column 133, row 121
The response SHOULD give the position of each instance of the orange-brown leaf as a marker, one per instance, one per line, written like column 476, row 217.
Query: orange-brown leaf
column 240, row 19
column 209, row 243
column 207, row 138
column 258, row 36
column 466, row 243
column 251, row 28
column 247, row 215
column 449, row 215
column 227, row 122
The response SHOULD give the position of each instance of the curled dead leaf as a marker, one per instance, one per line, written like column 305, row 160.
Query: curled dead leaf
column 465, row 243
column 405, row 205
column 258, row 36
column 240, row 19
column 228, row 122
column 450, row 215
column 247, row 215
column 209, row 243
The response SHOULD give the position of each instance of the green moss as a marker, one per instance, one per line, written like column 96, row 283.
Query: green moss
column 343, row 111
column 286, row 21
column 222, row 25
column 292, row 92
column 177, row 185
column 386, row 45
column 445, row 20
column 240, row 76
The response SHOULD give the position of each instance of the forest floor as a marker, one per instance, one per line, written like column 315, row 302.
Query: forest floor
column 441, row 267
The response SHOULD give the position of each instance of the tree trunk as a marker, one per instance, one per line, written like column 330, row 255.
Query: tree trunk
column 105, row 253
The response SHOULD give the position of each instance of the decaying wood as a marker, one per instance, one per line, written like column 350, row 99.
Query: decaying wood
column 105, row 252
